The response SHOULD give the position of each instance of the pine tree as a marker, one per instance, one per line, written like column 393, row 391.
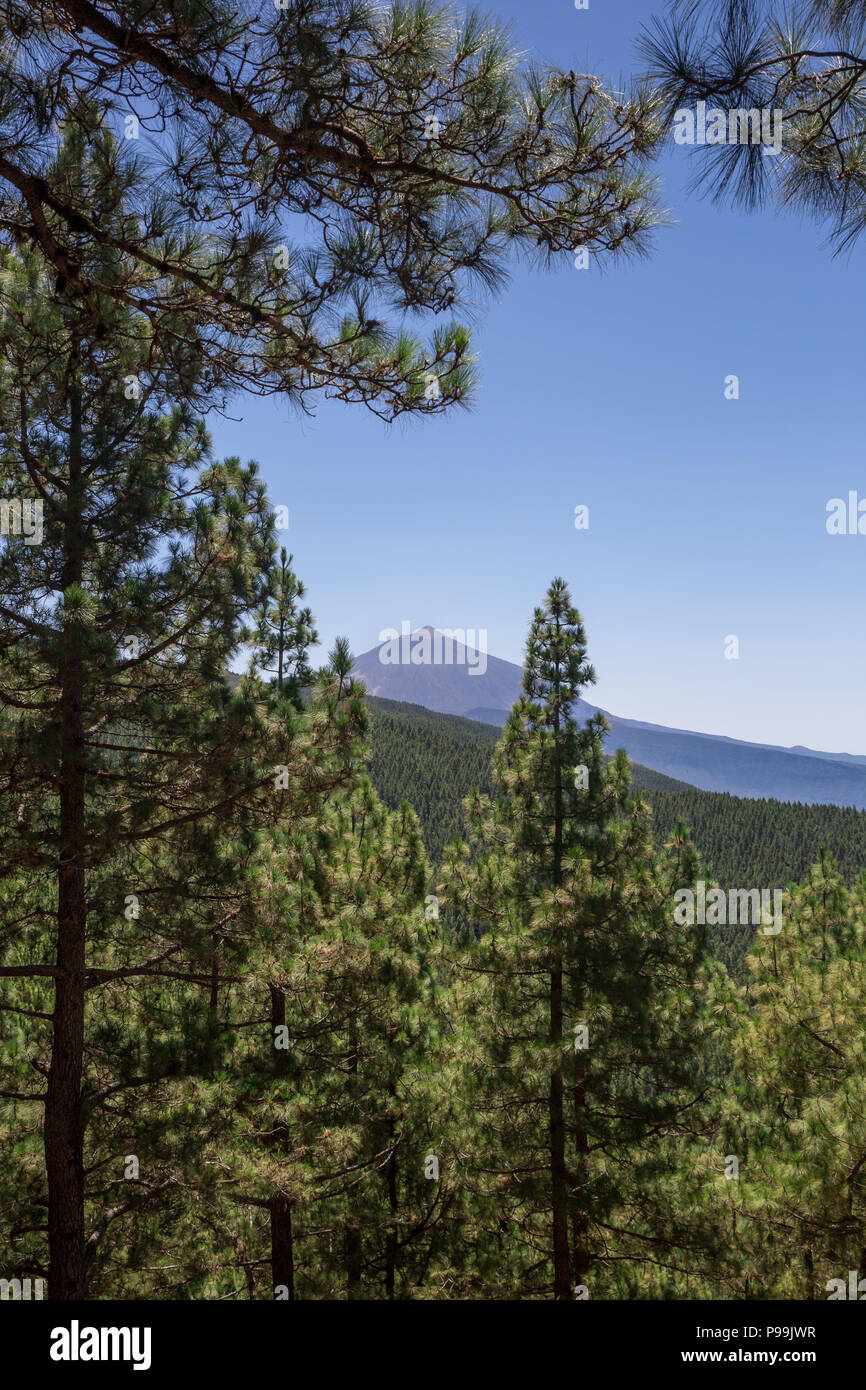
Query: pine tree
column 310, row 175
column 337, row 1086
column 797, row 1096
column 284, row 632
column 797, row 72
column 118, row 732
column 586, row 992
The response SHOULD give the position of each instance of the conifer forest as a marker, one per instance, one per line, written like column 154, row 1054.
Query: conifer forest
column 317, row 985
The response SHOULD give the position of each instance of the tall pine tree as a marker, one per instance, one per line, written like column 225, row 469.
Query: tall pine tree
column 119, row 735
column 584, row 1029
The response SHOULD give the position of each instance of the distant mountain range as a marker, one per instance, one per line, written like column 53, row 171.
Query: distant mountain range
column 483, row 688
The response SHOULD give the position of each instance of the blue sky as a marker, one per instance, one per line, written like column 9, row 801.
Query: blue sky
column 707, row 516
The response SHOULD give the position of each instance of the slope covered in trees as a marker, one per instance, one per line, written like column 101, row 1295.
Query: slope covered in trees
column 246, row 1054
column 315, row 1087
column 434, row 760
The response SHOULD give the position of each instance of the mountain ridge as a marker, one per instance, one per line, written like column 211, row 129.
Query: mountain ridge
column 473, row 684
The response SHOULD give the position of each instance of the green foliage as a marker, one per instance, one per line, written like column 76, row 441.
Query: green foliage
column 805, row 60
column 435, row 760
column 796, row 1101
column 125, row 755
column 432, row 761
column 245, row 1054
column 307, row 179
column 586, row 997
column 284, row 631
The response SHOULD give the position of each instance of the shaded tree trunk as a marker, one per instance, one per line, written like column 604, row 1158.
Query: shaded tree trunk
column 391, row 1245
column 558, row 1172
column 353, row 1232
column 280, row 1207
column 282, row 1245
column 64, row 1121
column 579, row 1221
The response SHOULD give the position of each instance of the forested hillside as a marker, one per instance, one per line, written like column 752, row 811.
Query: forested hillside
column 305, row 998
column 434, row 760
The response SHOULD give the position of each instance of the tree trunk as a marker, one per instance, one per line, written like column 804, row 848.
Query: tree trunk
column 558, row 1175
column 282, row 1245
column 353, row 1231
column 579, row 1222
column 211, row 1060
column 64, row 1121
column 64, row 1112
column 391, row 1244
column 353, row 1262
column 558, row 1172
column 280, row 1207
column 278, row 1020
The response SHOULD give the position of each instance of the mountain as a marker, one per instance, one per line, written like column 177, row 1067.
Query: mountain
column 466, row 682
column 463, row 680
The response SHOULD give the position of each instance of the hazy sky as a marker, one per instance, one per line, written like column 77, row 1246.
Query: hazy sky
column 707, row 516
